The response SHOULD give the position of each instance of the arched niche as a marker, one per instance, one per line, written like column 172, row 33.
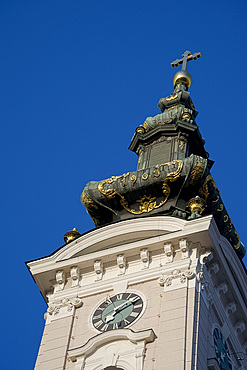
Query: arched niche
column 121, row 349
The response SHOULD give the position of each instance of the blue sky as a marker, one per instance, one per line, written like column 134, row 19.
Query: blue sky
column 76, row 78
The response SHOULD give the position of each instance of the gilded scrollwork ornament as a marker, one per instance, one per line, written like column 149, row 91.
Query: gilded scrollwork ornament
column 211, row 194
column 197, row 170
column 87, row 202
column 156, row 173
column 171, row 97
column 204, row 190
column 181, row 144
column 147, row 203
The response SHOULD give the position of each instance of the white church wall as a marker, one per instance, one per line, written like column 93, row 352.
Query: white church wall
column 182, row 277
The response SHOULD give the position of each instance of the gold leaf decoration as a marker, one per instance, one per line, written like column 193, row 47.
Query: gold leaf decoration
column 87, row 202
column 148, row 203
column 204, row 189
column 197, row 170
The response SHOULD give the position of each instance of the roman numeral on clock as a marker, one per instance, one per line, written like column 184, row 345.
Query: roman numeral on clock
column 115, row 325
column 126, row 322
column 97, row 324
column 138, row 305
column 97, row 317
column 105, row 327
column 134, row 314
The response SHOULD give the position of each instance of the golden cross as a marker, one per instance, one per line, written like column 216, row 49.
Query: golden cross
column 187, row 56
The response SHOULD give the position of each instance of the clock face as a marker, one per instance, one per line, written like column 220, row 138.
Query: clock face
column 221, row 350
column 117, row 312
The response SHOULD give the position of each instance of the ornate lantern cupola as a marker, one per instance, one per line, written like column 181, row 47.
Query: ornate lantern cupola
column 173, row 173
column 173, row 134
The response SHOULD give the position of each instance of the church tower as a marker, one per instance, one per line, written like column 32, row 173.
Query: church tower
column 159, row 283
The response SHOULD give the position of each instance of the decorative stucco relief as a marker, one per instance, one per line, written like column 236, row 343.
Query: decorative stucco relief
column 166, row 280
column 54, row 308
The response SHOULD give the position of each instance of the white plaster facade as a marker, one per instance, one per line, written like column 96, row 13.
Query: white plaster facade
column 188, row 275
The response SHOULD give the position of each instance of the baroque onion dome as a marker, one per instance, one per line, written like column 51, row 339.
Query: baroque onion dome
column 173, row 172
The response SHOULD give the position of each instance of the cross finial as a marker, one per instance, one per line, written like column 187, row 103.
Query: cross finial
column 187, row 56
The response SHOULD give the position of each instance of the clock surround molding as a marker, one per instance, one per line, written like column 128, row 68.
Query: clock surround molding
column 123, row 348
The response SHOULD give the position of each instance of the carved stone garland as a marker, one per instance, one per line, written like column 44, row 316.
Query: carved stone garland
column 166, row 280
column 54, row 308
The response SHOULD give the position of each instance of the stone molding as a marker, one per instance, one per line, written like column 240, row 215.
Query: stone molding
column 183, row 262
column 169, row 230
column 169, row 252
column 98, row 268
column 60, row 279
column 184, row 248
column 121, row 262
column 212, row 364
column 164, row 225
column 214, row 268
column 159, row 223
column 74, row 274
column 245, row 348
column 145, row 257
column 106, row 285
column 239, row 327
column 231, row 308
column 205, row 285
column 222, row 289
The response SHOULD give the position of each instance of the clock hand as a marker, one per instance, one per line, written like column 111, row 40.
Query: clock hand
column 131, row 300
column 134, row 299
column 120, row 306
column 116, row 310
column 111, row 315
column 109, row 318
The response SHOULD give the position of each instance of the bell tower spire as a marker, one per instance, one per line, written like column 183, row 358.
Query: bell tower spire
column 173, row 172
column 159, row 283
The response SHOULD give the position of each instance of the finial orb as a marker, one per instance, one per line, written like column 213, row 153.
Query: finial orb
column 197, row 206
column 71, row 235
column 182, row 76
